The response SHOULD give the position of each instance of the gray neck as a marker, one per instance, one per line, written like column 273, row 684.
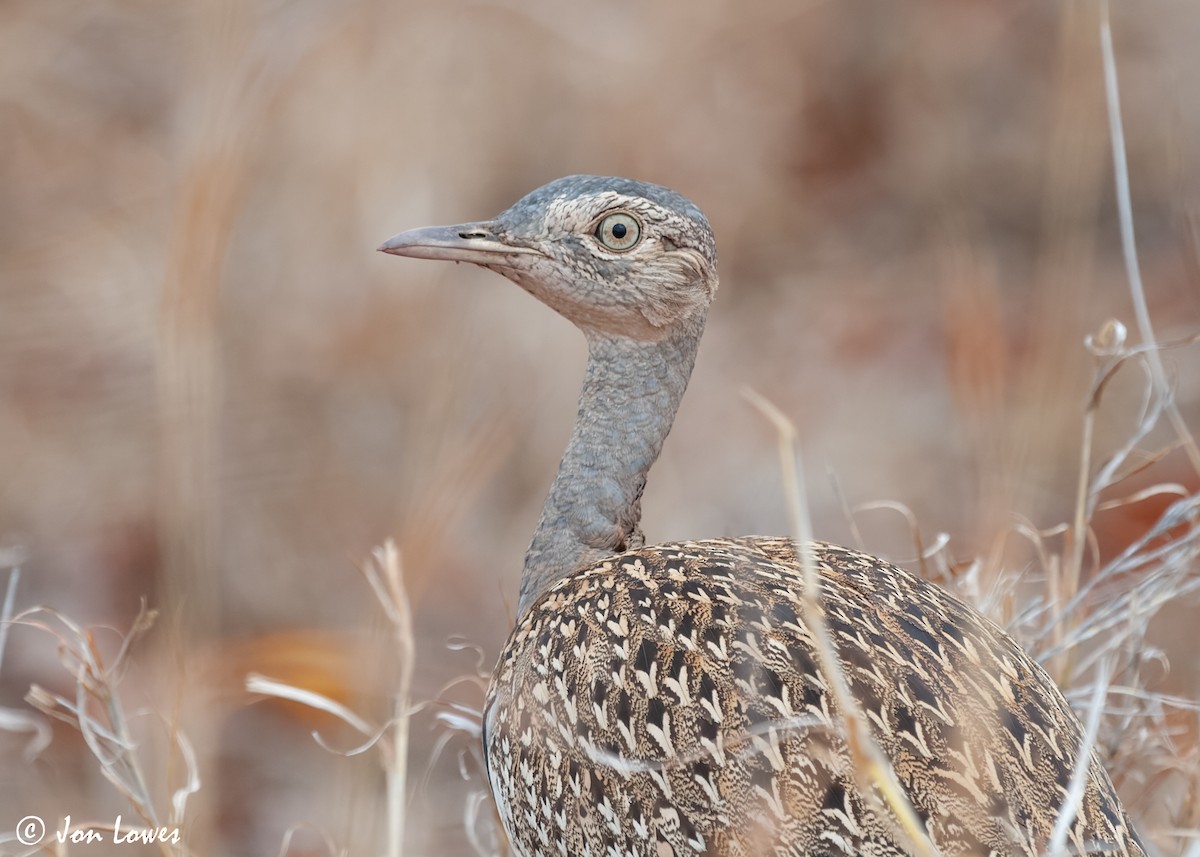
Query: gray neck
column 631, row 391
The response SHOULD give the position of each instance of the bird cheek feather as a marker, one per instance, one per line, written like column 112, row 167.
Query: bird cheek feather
column 680, row 290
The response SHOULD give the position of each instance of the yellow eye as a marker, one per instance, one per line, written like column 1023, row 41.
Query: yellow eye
column 619, row 232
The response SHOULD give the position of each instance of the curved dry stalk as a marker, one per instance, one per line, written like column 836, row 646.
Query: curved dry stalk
column 1128, row 242
column 384, row 574
column 1073, row 801
column 871, row 768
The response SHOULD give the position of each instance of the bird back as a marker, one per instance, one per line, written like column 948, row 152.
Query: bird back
column 669, row 700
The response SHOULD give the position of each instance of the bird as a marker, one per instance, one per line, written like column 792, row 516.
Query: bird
column 665, row 700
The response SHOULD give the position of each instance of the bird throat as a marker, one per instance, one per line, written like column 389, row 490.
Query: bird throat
column 631, row 391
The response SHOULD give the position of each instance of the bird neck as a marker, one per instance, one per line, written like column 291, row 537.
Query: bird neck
column 631, row 391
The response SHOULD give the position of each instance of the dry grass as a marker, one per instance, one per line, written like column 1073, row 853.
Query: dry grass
column 96, row 709
column 874, row 773
column 212, row 391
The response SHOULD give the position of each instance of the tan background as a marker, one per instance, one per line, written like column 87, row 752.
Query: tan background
column 215, row 395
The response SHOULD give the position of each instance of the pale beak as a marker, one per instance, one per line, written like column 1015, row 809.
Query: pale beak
column 466, row 242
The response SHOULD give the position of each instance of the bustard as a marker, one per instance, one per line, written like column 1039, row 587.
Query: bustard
column 667, row 699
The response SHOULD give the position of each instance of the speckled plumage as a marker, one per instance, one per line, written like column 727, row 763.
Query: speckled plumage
column 668, row 700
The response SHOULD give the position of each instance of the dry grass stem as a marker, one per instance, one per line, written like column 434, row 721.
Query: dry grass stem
column 266, row 686
column 464, row 723
column 387, row 581
column 872, row 770
column 384, row 574
column 1073, row 799
column 6, row 610
column 1128, row 243
column 331, row 848
column 13, row 719
column 921, row 553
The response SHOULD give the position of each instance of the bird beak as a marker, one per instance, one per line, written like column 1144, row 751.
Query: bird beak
column 467, row 242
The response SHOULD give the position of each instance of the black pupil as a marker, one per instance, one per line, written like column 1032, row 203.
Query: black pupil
column 619, row 230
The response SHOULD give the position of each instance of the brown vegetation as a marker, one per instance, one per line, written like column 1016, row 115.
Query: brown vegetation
column 216, row 397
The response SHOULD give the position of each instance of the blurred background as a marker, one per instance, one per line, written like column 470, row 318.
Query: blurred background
column 216, row 397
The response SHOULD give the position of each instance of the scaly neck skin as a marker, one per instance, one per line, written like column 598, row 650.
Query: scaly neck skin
column 631, row 391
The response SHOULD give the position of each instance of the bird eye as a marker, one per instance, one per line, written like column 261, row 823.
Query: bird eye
column 619, row 232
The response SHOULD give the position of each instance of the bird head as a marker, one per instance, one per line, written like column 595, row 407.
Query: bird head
column 613, row 255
